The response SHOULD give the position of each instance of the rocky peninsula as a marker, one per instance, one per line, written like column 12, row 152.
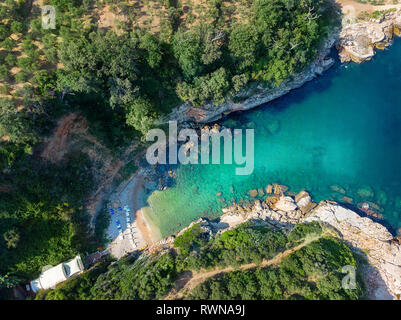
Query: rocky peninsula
column 357, row 40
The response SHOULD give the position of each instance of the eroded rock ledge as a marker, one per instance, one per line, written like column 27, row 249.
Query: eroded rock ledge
column 369, row 238
column 358, row 41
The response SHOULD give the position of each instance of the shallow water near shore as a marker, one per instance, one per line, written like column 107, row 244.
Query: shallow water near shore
column 342, row 129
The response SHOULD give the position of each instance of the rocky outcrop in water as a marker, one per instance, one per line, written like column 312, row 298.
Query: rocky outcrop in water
column 358, row 41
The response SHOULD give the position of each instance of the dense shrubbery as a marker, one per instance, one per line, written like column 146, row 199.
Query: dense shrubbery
column 245, row 244
column 42, row 220
column 121, row 81
column 144, row 279
column 190, row 240
column 312, row 272
column 304, row 231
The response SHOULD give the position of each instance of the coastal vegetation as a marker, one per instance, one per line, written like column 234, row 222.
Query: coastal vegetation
column 310, row 273
column 122, row 77
column 42, row 218
column 305, row 263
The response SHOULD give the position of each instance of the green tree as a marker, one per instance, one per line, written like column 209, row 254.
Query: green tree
column 243, row 45
column 141, row 115
column 8, row 44
column 7, row 281
column 187, row 50
column 21, row 77
column 4, row 72
column 17, row 27
column 4, row 32
column 12, row 238
column 11, row 60
column 152, row 47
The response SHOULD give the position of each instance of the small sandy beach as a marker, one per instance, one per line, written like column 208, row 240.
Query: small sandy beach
column 149, row 231
column 132, row 194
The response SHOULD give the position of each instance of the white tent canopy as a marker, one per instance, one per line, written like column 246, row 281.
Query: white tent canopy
column 51, row 277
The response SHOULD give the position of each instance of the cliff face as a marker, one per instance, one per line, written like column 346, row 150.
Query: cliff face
column 382, row 251
column 370, row 239
column 258, row 96
column 358, row 41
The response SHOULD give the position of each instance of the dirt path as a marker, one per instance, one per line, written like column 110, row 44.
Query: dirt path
column 184, row 287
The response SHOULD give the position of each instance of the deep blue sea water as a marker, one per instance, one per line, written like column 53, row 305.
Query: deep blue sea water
column 342, row 129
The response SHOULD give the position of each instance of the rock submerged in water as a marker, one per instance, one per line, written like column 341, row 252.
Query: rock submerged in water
column 382, row 198
column 375, row 206
column 338, row 189
column 253, row 193
column 366, row 192
column 367, row 208
column 279, row 189
column 269, row 189
column 381, row 45
column 230, row 123
column 272, row 200
column 347, row 200
column 273, row 126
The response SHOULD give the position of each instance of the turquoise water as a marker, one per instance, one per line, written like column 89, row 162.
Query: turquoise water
column 342, row 129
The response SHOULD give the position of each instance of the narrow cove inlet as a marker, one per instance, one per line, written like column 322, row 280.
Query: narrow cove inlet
column 200, row 154
column 337, row 137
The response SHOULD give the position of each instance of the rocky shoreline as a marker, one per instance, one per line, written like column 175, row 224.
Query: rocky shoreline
column 359, row 41
column 369, row 239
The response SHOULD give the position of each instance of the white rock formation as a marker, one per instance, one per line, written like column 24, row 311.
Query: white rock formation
column 371, row 238
column 359, row 40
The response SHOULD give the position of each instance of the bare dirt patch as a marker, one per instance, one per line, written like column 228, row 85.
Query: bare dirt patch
column 70, row 135
column 56, row 146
